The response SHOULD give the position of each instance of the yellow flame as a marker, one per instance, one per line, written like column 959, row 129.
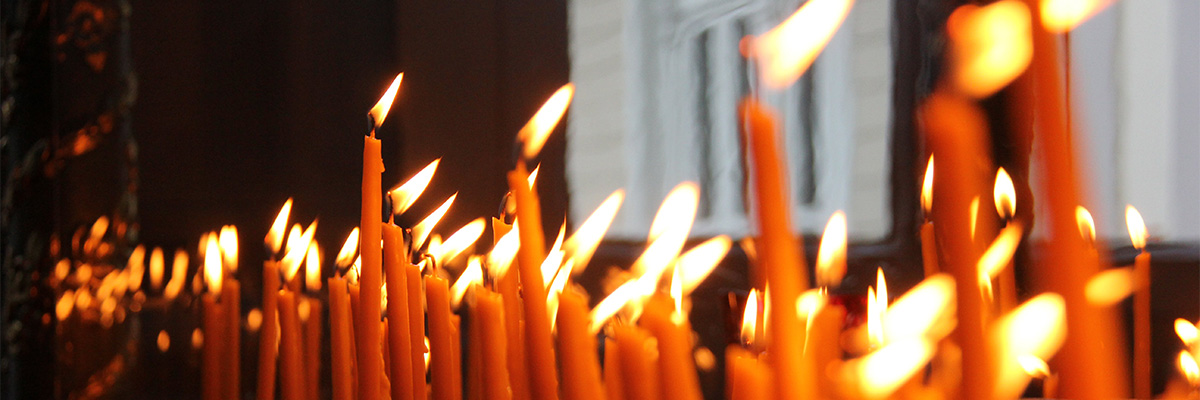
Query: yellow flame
column 353, row 272
column 178, row 275
column 555, row 289
column 809, row 303
column 472, row 275
column 831, row 255
column 1187, row 365
column 296, row 250
column 421, row 231
column 1087, row 225
column 1035, row 328
column 677, row 289
column 534, row 134
column 669, row 229
column 998, row 255
column 925, row 312
column 554, row 257
column 1110, row 286
column 750, row 318
column 312, row 268
column 228, row 240
column 503, row 253
column 380, row 111
column 927, row 188
column 274, row 238
column 460, row 240
column 1186, row 331
column 1137, row 227
column 156, row 268
column 787, row 50
column 1060, row 16
column 991, row 45
column 136, row 267
column 1033, row 366
column 583, row 243
column 614, row 302
column 697, row 263
column 874, row 323
column 974, row 216
column 532, row 179
column 212, row 266
column 1004, row 194
column 293, row 238
column 345, row 256
column 406, row 194
column 882, row 372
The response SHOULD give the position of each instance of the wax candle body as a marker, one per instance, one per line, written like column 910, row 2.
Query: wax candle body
column 355, row 307
column 517, row 375
column 613, row 389
column 231, row 297
column 291, row 379
column 824, row 347
column 494, row 357
column 637, row 369
column 929, row 255
column 268, row 343
column 577, row 349
column 474, row 347
column 441, row 352
column 1142, row 377
column 339, row 340
column 312, row 348
column 370, row 361
column 674, row 336
column 416, row 331
column 539, row 344
column 214, row 347
column 746, row 377
column 399, row 346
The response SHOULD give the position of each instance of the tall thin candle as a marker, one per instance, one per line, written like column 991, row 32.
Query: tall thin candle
column 399, row 345
column 339, row 339
column 539, row 344
column 268, row 342
column 441, row 353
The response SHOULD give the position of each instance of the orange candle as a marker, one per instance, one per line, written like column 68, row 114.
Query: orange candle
column 339, row 339
column 312, row 348
column 456, row 360
column 675, row 362
column 538, row 342
column 399, row 346
column 441, row 351
column 231, row 297
column 490, row 310
column 779, row 254
column 517, row 375
column 474, row 347
column 268, row 344
column 214, row 347
column 637, row 369
column 929, row 249
column 352, row 288
column 416, row 331
column 577, row 349
column 370, row 363
column 824, row 346
column 291, row 381
column 1141, row 326
column 745, row 377
column 612, row 370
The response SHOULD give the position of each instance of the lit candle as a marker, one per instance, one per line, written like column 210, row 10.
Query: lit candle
column 492, row 334
column 268, row 344
column 517, row 373
column 539, row 345
column 613, row 389
column 475, row 348
column 416, row 331
column 674, row 337
column 339, row 339
column 232, row 298
column 441, row 352
column 577, row 347
column 215, row 321
column 312, row 347
column 637, row 368
column 929, row 254
column 399, row 357
column 291, row 362
column 1141, row 304
column 1005, row 197
column 745, row 377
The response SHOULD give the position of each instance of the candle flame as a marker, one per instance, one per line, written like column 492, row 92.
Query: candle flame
column 669, row 229
column 1186, row 331
column 1034, row 328
column 555, row 289
column 583, row 243
column 877, row 306
column 472, row 275
column 296, row 250
column 1000, row 253
column 974, row 216
column 927, row 311
column 788, row 49
column 460, row 240
column 353, row 272
column 1137, row 227
column 274, row 238
column 312, row 268
column 406, row 194
column 212, row 266
column 554, row 257
column 380, row 111
column 1004, row 195
column 421, row 231
column 883, row 371
column 750, row 319
column 694, row 265
column 1059, row 16
column 178, row 275
column 1110, row 286
column 136, row 267
column 927, row 187
column 503, row 253
column 1087, row 225
column 345, row 256
column 831, row 255
column 613, row 303
column 991, row 45
column 228, row 239
column 1033, row 366
column 1187, row 365
column 534, row 134
column 156, row 268
column 532, row 179
column 677, row 289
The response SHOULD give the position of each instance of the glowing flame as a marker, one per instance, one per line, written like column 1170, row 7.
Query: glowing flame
column 998, row 255
column 406, row 194
column 178, row 275
column 750, row 318
column 694, row 265
column 421, row 231
column 156, row 268
column 677, row 290
column 274, row 238
column 1187, row 332
column 462, row 239
column 1060, row 16
column 1187, row 365
column 583, row 243
column 228, row 240
column 831, row 255
column 312, row 268
column 503, row 253
column 925, row 312
column 472, row 275
column 669, row 230
column 1109, row 287
column 614, row 302
column 137, row 267
column 65, row 304
column 99, row 228
column 1087, row 225
column 345, row 256
column 927, row 188
column 163, row 341
column 1035, row 328
column 212, row 266
column 554, row 257
column 380, row 111
column 555, row 289
column 787, row 50
column 534, row 134
column 974, row 216
column 1004, row 195
column 1137, row 227
column 1033, row 366
column 992, row 45
column 532, row 179
column 290, row 264
column 882, row 372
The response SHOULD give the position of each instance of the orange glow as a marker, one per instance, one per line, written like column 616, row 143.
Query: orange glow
column 156, row 268
column 927, row 188
column 882, row 372
column 178, row 275
column 293, row 238
column 831, row 255
column 380, row 111
column 352, row 272
column 694, row 265
column 163, row 341
column 1059, row 16
column 1109, row 287
column 212, row 266
column 65, row 304
column 677, row 289
column 535, row 132
column 197, row 338
column 472, row 275
column 1033, row 366
column 406, row 194
column 312, row 268
column 254, row 320
column 555, row 289
column 974, row 216
column 1087, row 225
column 503, row 253
column 1187, row 365
column 290, row 264
column 229, row 247
column 998, row 255
column 1137, row 227
column 613, row 303
column 274, row 238
column 750, row 319
column 1035, row 328
column 554, row 257
column 583, row 243
column 991, row 45
column 99, row 228
column 421, row 231
column 345, row 256
column 462, row 239
column 1004, row 195
column 136, row 267
column 669, row 229
column 532, row 179
column 788, row 49
column 1187, row 332
column 925, row 312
